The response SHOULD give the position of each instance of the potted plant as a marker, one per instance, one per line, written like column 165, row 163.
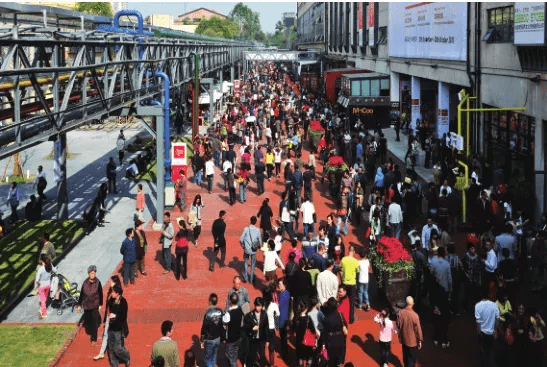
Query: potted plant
column 315, row 130
column 394, row 269
column 335, row 163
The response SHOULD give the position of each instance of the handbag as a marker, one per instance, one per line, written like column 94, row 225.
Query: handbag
column 344, row 327
column 324, row 354
column 309, row 337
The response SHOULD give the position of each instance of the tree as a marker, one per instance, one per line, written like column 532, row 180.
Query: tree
column 103, row 9
column 217, row 27
column 279, row 38
column 247, row 20
column 187, row 21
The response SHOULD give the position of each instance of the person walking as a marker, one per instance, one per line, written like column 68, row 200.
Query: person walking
column 140, row 203
column 327, row 283
column 301, row 324
column 386, row 332
column 487, row 316
column 111, row 176
column 362, row 286
column 129, row 252
column 244, row 301
column 233, row 319
column 410, row 333
column 181, row 251
column 91, row 300
column 209, row 173
column 13, row 200
column 243, row 181
column 40, row 183
column 199, row 166
column 256, row 327
column 265, row 214
column 226, row 166
column 113, row 281
column 196, row 208
column 251, row 241
column 350, row 267
column 335, row 332
column 166, row 239
column 166, row 347
column 219, row 244
column 260, row 169
column 212, row 331
column 395, row 218
column 120, row 145
column 43, row 283
column 231, row 185
column 141, row 246
column 308, row 215
column 118, row 329
column 180, row 191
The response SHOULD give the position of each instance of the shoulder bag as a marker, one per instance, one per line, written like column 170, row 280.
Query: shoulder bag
column 309, row 337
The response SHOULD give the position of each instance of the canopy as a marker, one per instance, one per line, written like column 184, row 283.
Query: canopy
column 204, row 97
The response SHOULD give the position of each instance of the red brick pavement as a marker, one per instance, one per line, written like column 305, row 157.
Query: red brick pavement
column 158, row 297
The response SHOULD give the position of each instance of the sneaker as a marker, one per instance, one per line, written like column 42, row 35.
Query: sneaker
column 446, row 345
column 167, row 272
column 98, row 356
column 435, row 343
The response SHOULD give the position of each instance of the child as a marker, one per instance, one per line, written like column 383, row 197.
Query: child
column 278, row 241
column 506, row 312
column 386, row 330
column 297, row 252
column 364, row 266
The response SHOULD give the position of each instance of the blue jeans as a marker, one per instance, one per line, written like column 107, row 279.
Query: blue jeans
column 210, row 351
column 339, row 224
column 287, row 227
column 243, row 192
column 362, row 293
column 308, row 227
column 216, row 157
column 396, row 229
column 198, row 177
column 167, row 258
column 246, row 275
column 128, row 272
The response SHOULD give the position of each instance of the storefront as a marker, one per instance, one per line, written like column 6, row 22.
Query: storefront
column 509, row 139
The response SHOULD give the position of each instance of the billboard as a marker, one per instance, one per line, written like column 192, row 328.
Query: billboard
column 529, row 24
column 428, row 30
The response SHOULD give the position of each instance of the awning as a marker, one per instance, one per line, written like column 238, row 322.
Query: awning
column 204, row 97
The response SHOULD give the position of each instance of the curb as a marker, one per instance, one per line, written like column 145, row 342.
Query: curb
column 13, row 303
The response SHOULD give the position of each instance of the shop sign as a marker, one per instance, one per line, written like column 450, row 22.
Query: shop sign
column 428, row 30
column 362, row 111
column 178, row 154
column 529, row 24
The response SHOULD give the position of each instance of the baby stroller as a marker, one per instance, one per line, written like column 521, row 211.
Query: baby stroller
column 63, row 293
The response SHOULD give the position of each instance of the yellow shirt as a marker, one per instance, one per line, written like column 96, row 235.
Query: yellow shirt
column 269, row 158
column 350, row 268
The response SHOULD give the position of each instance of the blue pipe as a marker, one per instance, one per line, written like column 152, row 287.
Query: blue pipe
column 129, row 12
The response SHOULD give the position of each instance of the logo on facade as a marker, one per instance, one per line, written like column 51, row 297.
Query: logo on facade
column 362, row 111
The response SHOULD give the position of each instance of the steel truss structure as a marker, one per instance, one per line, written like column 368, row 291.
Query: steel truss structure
column 54, row 79
column 271, row 56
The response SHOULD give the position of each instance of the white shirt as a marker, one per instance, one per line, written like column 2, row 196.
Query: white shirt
column 209, row 168
column 476, row 177
column 270, row 258
column 363, row 270
column 486, row 314
column 272, row 309
column 327, row 286
column 491, row 263
column 227, row 164
column 395, row 214
column 308, row 210
column 414, row 236
column 278, row 242
column 268, row 132
column 277, row 156
column 447, row 188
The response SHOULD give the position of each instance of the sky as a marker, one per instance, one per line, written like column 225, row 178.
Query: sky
column 270, row 12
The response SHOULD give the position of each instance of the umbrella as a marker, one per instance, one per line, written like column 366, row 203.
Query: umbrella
column 250, row 119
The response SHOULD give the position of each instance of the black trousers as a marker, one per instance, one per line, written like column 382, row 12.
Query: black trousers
column 232, row 192
column 222, row 250
column 120, row 156
column 112, row 185
column 260, row 183
column 352, row 295
column 181, row 262
column 409, row 356
column 256, row 353
column 385, row 352
column 197, row 232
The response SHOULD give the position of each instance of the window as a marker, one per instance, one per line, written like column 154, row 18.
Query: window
column 500, row 25
column 375, row 87
column 382, row 36
column 365, row 87
column 356, row 88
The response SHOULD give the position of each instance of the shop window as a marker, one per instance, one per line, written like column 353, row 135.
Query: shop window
column 365, row 88
column 375, row 87
column 500, row 25
column 356, row 88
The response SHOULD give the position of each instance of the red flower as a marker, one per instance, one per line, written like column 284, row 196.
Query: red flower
column 336, row 161
column 392, row 250
column 316, row 126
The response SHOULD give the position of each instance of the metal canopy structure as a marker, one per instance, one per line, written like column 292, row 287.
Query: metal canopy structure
column 269, row 55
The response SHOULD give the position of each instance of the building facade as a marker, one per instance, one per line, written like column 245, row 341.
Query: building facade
column 431, row 51
column 310, row 27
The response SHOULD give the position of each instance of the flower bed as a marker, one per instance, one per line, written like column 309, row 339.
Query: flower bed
column 335, row 163
column 390, row 257
column 315, row 130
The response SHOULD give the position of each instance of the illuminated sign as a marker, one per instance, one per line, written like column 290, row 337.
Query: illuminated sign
column 362, row 111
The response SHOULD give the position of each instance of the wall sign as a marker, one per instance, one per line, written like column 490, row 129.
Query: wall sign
column 529, row 24
column 428, row 30
column 362, row 111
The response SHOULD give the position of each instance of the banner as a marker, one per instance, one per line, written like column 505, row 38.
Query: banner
column 371, row 25
column 360, row 24
column 428, row 30
column 529, row 23
column 350, row 28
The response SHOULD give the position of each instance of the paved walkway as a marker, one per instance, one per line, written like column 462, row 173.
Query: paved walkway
column 158, row 297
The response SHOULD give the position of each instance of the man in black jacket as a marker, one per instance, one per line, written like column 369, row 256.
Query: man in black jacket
column 111, row 176
column 117, row 328
column 219, row 228
column 259, row 171
column 233, row 319
column 212, row 331
column 199, row 166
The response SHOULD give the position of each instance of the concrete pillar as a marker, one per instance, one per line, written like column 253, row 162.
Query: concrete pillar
column 60, row 171
column 232, row 73
column 160, row 169
column 221, row 89
column 394, row 86
column 415, row 90
column 443, row 109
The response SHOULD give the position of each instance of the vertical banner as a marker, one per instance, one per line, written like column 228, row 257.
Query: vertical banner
column 415, row 92
column 360, row 24
column 443, row 120
column 350, row 29
column 371, row 25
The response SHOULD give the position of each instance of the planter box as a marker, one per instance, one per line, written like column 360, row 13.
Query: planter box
column 396, row 289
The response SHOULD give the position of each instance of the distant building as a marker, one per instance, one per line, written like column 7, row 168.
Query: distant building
column 118, row 5
column 197, row 15
column 160, row 20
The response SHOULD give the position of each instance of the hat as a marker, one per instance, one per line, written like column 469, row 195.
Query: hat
column 408, row 180
column 434, row 249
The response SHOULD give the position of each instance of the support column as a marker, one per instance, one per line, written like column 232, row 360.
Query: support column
column 160, row 170
column 415, row 93
column 394, row 92
column 443, row 109
column 59, row 170
column 232, row 73
column 221, row 90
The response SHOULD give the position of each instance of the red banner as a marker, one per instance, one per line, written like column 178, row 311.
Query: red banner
column 360, row 17
column 370, row 15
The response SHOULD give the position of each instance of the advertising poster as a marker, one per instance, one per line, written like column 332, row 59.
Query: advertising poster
column 371, row 25
column 529, row 23
column 360, row 24
column 428, row 30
